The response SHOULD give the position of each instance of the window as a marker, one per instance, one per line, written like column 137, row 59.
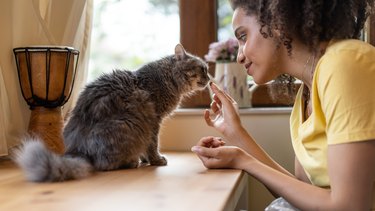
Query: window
column 224, row 14
column 127, row 35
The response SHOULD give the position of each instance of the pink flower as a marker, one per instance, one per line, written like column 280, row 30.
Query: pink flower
column 222, row 51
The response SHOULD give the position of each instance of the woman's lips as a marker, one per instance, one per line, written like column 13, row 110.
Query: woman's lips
column 247, row 66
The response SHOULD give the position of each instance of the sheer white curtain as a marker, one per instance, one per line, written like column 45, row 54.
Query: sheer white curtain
column 37, row 22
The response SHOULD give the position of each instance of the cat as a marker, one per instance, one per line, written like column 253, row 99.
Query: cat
column 116, row 120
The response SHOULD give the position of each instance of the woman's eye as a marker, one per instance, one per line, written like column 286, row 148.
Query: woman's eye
column 242, row 37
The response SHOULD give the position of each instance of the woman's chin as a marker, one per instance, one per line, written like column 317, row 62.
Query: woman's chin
column 260, row 81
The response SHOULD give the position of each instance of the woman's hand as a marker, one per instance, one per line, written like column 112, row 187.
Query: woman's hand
column 214, row 154
column 224, row 111
column 211, row 142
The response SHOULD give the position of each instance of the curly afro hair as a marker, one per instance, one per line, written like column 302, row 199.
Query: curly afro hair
column 309, row 21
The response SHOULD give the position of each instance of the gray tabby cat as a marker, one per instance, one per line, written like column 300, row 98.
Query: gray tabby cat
column 116, row 120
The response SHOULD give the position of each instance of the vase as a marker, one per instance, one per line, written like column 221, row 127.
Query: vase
column 232, row 78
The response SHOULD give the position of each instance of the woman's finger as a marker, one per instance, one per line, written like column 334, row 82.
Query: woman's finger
column 209, row 156
column 214, row 107
column 207, row 118
column 211, row 142
column 216, row 99
column 224, row 98
column 204, row 140
column 207, row 141
column 216, row 142
column 204, row 151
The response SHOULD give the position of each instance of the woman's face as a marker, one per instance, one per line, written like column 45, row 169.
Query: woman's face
column 259, row 55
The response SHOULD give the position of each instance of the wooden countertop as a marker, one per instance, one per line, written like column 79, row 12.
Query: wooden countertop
column 184, row 184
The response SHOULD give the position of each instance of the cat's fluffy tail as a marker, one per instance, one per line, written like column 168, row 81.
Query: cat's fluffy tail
column 42, row 165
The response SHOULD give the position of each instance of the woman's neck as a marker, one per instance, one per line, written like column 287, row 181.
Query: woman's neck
column 303, row 61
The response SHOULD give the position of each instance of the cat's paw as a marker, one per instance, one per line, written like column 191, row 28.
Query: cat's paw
column 162, row 161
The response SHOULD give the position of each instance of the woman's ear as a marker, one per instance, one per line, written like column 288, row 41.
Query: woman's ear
column 179, row 52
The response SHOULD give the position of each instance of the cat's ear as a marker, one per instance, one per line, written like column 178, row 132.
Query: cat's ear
column 179, row 52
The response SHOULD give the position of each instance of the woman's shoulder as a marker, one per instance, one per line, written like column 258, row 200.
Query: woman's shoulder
column 346, row 62
column 349, row 54
column 349, row 46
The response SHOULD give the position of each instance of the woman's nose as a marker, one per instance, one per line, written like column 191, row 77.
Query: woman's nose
column 240, row 56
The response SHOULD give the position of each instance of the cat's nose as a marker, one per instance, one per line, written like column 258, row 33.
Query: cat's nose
column 207, row 78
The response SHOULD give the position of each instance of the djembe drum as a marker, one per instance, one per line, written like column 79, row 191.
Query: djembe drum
column 46, row 76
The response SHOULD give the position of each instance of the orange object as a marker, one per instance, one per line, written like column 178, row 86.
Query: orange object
column 46, row 76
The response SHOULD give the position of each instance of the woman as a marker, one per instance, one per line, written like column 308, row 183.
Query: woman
column 333, row 119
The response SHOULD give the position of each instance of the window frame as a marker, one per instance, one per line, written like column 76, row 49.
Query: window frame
column 198, row 28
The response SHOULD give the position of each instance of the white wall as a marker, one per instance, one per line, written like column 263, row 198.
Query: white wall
column 269, row 126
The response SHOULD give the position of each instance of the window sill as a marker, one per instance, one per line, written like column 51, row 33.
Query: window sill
column 261, row 97
column 243, row 111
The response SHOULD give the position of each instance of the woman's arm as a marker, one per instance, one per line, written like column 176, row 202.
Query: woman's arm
column 299, row 193
column 243, row 140
column 299, row 172
column 351, row 171
column 351, row 166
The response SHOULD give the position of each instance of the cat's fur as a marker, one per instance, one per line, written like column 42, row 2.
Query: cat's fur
column 116, row 120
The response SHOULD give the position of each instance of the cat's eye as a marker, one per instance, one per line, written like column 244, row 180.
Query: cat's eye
column 192, row 74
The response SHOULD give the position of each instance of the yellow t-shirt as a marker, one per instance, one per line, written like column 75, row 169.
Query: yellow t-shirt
column 343, row 100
